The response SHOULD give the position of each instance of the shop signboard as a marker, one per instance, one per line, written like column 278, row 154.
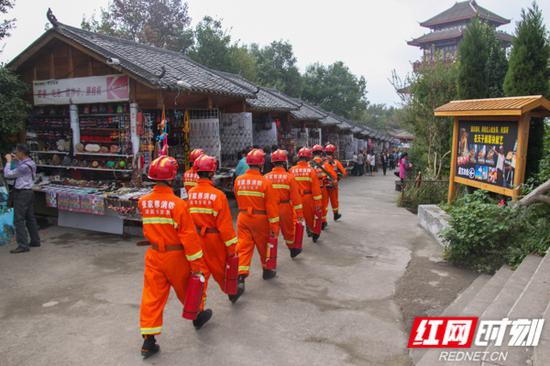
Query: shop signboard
column 92, row 89
column 487, row 152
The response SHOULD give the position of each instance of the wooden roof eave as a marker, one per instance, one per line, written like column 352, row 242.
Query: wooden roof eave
column 539, row 106
column 52, row 34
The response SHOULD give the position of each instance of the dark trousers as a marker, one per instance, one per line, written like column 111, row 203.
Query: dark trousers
column 23, row 204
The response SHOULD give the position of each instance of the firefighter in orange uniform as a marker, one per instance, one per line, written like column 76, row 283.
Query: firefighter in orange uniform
column 190, row 177
column 327, row 177
column 258, row 218
column 290, row 201
column 175, row 252
column 337, row 166
column 212, row 217
column 310, row 190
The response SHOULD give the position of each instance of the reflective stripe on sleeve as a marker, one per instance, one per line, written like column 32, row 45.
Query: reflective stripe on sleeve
column 250, row 193
column 158, row 220
column 298, row 207
column 317, row 198
column 273, row 220
column 190, row 184
column 195, row 256
column 204, row 210
column 304, row 179
column 281, row 186
column 231, row 242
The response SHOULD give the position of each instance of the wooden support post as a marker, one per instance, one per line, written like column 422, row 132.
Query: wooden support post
column 454, row 153
column 90, row 67
column 71, row 63
column 521, row 154
column 52, row 66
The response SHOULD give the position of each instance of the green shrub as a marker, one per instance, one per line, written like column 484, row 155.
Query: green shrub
column 484, row 236
column 429, row 192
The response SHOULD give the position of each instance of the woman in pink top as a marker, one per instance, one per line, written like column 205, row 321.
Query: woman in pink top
column 404, row 166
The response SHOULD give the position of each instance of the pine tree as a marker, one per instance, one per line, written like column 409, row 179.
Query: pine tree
column 528, row 74
column 473, row 54
column 496, row 66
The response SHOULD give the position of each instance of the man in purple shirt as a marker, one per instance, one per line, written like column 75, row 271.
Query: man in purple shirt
column 24, row 172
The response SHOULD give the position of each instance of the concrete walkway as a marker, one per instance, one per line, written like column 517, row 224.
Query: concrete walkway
column 75, row 300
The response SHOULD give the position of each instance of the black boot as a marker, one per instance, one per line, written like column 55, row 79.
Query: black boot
column 269, row 274
column 19, row 250
column 294, row 252
column 240, row 290
column 150, row 346
column 324, row 225
column 337, row 215
column 309, row 233
column 202, row 318
column 315, row 237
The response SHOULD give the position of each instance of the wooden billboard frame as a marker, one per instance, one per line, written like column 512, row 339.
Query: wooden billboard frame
column 515, row 109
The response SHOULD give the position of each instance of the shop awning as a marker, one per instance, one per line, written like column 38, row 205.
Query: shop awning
column 510, row 106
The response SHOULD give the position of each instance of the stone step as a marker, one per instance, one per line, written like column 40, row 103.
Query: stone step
column 531, row 304
column 488, row 293
column 454, row 309
column 465, row 297
column 476, row 306
column 542, row 351
column 503, row 302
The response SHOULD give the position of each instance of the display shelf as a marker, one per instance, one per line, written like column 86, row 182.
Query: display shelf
column 100, row 128
column 102, row 114
column 50, row 152
column 103, row 154
column 83, row 168
column 99, row 142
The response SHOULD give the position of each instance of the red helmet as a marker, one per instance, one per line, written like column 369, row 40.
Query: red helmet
column 304, row 152
column 255, row 157
column 205, row 163
column 330, row 148
column 317, row 148
column 279, row 156
column 193, row 155
column 163, row 168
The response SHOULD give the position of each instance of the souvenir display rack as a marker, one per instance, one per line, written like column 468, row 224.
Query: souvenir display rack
column 49, row 132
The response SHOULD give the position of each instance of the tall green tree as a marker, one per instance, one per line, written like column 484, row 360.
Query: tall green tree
column 529, row 74
column 482, row 62
column 276, row 67
column 426, row 89
column 336, row 89
column 7, row 24
column 160, row 23
column 213, row 47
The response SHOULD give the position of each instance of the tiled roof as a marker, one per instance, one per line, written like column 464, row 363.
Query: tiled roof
column 449, row 34
column 146, row 62
column 306, row 112
column 463, row 11
column 510, row 106
column 267, row 99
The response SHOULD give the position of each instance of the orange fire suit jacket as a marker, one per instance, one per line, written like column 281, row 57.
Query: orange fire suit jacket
column 337, row 167
column 309, row 188
column 290, row 201
column 212, row 217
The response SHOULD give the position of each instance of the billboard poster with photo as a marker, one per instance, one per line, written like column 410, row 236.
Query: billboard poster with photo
column 487, row 151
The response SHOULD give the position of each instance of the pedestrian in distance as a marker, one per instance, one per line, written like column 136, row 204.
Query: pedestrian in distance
column 22, row 168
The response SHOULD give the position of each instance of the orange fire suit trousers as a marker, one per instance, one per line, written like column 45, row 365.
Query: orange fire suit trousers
column 324, row 203
column 162, row 270
column 309, row 210
column 253, row 230
column 287, row 217
column 215, row 255
column 333, row 197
